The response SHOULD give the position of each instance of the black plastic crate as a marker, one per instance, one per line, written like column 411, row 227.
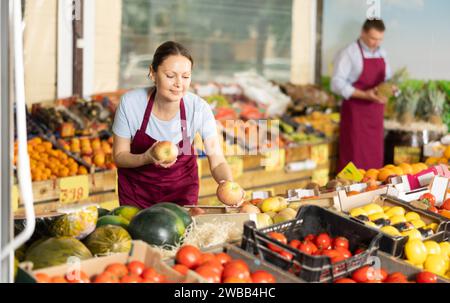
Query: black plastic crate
column 395, row 245
column 313, row 220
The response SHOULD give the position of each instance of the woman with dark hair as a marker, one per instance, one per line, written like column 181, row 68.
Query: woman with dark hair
column 165, row 112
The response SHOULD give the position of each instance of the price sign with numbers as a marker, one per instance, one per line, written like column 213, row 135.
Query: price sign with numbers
column 73, row 189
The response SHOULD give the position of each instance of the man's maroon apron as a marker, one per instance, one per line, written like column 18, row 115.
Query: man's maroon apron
column 150, row 184
column 362, row 129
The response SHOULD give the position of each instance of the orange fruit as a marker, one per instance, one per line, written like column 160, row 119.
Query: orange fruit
column 407, row 169
column 447, row 152
column 432, row 161
column 384, row 174
column 372, row 174
column 416, row 168
column 362, row 171
column 443, row 161
column 398, row 171
column 389, row 166
column 82, row 170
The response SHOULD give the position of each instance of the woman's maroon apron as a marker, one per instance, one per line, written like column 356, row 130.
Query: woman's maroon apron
column 362, row 129
column 150, row 184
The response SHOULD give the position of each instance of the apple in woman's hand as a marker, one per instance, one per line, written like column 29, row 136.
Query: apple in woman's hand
column 165, row 152
column 230, row 193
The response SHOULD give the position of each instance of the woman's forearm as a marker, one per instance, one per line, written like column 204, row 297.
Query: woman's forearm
column 222, row 172
column 129, row 160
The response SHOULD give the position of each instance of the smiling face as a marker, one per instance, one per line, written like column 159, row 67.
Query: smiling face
column 172, row 78
column 372, row 38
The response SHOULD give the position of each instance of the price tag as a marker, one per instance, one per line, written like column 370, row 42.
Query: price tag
column 274, row 160
column 350, row 172
column 319, row 154
column 73, row 189
column 15, row 198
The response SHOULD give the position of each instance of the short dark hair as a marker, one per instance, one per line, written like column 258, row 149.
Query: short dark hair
column 376, row 24
column 167, row 49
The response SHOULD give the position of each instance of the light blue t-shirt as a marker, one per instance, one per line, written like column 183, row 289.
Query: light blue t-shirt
column 130, row 114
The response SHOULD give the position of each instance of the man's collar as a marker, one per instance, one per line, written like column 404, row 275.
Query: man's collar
column 366, row 48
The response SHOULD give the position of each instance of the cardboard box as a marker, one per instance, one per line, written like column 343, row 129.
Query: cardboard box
column 348, row 202
column 140, row 251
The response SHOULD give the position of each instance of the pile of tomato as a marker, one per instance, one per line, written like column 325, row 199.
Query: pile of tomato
column 368, row 274
column 337, row 249
column 133, row 272
column 218, row 267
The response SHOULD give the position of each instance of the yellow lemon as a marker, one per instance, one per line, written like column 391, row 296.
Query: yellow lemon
column 412, row 216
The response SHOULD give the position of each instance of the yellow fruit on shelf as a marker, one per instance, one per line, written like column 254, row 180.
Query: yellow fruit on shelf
column 407, row 169
column 412, row 216
column 418, row 223
column 417, row 168
column 435, row 264
column 416, row 252
column 395, row 211
column 445, row 248
column 271, row 204
column 384, row 174
column 372, row 174
column 398, row 171
column 389, row 166
column 397, row 219
column 371, row 209
column 432, row 226
column 433, row 247
column 443, row 161
column 447, row 152
column 412, row 234
column 378, row 216
column 358, row 212
column 386, row 208
column 390, row 230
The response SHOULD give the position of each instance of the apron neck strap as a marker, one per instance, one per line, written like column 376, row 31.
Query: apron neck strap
column 148, row 111
column 360, row 48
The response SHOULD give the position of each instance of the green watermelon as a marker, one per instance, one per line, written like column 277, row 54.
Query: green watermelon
column 56, row 251
column 178, row 210
column 102, row 212
column 158, row 226
column 126, row 212
column 108, row 239
column 113, row 220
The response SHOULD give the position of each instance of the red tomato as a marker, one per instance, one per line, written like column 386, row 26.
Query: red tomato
column 118, row 269
column 215, row 264
column 278, row 237
column 262, row 276
column 335, row 255
column 209, row 273
column 340, row 242
column 58, row 279
column 286, row 255
column 359, row 251
column 136, row 267
column 344, row 280
column 344, row 251
column 150, row 274
column 155, row 279
column 364, row 274
column 426, row 277
column 239, row 262
column 295, row 244
column 42, row 278
column 428, row 198
column 433, row 209
column 446, row 205
column 323, row 241
column 396, row 277
column 310, row 238
column 189, row 256
column 132, row 278
column 182, row 269
column 235, row 270
column 308, row 248
column 206, row 257
column 223, row 257
column 77, row 277
column 106, row 277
